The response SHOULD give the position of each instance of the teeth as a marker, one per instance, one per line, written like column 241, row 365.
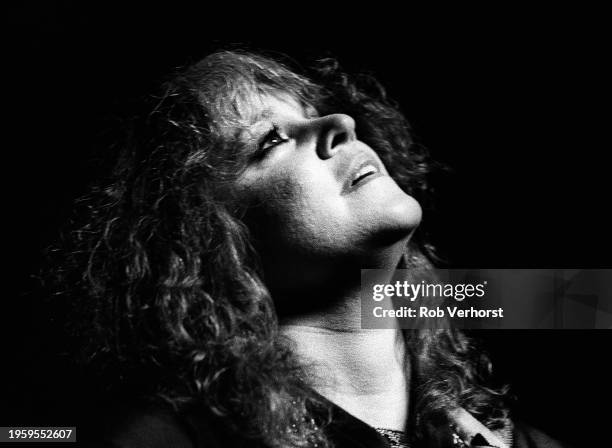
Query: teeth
column 366, row 170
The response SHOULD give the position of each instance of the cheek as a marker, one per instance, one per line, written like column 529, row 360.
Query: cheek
column 297, row 212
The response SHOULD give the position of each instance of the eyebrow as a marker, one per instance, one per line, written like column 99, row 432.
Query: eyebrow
column 264, row 115
column 308, row 111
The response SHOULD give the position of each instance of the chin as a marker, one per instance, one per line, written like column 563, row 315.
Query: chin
column 389, row 206
column 393, row 225
column 405, row 213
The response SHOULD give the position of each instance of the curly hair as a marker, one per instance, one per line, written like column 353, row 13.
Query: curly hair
column 165, row 285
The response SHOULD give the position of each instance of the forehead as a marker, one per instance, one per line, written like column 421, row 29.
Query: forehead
column 253, row 110
column 272, row 105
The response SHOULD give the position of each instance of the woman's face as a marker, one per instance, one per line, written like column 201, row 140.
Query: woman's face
column 317, row 195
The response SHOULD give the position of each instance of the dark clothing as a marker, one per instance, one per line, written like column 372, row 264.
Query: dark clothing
column 157, row 428
column 526, row 437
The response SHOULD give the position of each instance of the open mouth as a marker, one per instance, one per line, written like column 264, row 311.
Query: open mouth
column 361, row 170
column 364, row 172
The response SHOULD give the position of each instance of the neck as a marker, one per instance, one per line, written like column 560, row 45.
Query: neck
column 363, row 371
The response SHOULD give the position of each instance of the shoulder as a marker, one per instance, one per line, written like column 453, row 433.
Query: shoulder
column 159, row 427
column 147, row 428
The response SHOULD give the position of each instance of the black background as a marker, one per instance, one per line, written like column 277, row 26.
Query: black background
column 514, row 100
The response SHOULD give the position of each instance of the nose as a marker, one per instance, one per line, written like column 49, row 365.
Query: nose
column 335, row 130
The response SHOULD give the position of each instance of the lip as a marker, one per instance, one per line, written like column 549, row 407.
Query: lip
column 356, row 178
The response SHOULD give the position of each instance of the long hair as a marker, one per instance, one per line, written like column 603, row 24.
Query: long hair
column 165, row 285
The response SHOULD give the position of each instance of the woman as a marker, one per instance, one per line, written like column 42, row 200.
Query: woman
column 216, row 275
